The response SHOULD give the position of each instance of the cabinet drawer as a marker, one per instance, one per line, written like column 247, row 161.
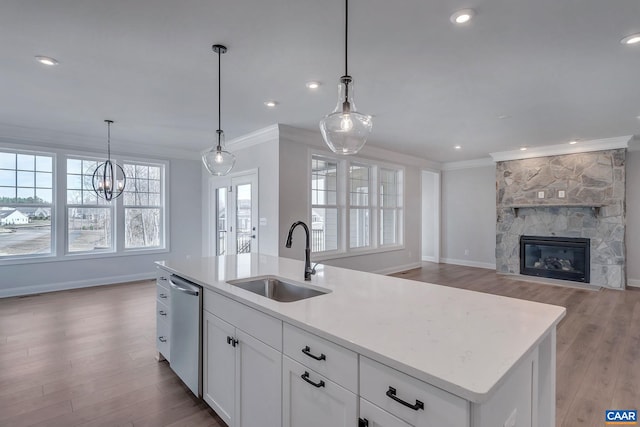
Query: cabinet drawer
column 163, row 311
column 162, row 291
column 380, row 384
column 336, row 363
column 257, row 324
column 162, row 337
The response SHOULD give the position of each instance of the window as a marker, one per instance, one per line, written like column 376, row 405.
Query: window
column 359, row 206
column 89, row 217
column 361, row 197
column 26, row 202
column 390, row 206
column 324, row 205
column 143, row 206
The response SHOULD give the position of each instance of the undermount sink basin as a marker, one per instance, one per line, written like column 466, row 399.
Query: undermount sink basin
column 276, row 289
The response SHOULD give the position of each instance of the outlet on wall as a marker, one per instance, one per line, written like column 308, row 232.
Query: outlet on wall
column 466, row 251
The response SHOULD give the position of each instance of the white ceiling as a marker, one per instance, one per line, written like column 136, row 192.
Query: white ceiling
column 556, row 68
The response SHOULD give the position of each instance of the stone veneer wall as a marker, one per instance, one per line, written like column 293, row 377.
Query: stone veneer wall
column 588, row 179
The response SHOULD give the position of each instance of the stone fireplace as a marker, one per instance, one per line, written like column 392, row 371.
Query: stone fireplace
column 569, row 196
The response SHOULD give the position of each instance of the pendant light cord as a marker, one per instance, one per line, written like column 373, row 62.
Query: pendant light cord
column 346, row 36
column 219, row 94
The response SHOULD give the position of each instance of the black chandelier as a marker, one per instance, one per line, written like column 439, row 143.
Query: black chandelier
column 109, row 178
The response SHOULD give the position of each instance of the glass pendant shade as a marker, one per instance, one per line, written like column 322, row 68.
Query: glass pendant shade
column 218, row 161
column 345, row 130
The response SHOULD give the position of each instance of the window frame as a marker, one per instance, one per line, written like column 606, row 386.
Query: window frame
column 59, row 232
column 343, row 198
column 339, row 205
column 13, row 259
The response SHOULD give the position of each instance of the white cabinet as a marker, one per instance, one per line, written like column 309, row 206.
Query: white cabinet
column 163, row 317
column 219, row 366
column 372, row 416
column 242, row 374
column 417, row 403
column 311, row 400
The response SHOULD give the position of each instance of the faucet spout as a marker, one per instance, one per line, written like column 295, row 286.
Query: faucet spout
column 308, row 271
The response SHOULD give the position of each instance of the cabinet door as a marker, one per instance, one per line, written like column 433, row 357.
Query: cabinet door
column 372, row 416
column 258, row 383
column 219, row 357
column 321, row 404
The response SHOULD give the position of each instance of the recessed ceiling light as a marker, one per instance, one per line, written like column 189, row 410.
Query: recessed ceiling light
column 46, row 60
column 270, row 104
column 631, row 39
column 574, row 142
column 458, row 147
column 504, row 116
column 523, row 148
column 462, row 16
column 313, row 85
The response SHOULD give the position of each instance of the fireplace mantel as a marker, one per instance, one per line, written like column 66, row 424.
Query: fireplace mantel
column 595, row 208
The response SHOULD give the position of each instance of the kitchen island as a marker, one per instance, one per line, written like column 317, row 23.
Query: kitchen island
column 389, row 351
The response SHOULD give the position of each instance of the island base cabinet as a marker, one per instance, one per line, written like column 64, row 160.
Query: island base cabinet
column 242, row 376
column 310, row 400
column 219, row 359
column 372, row 416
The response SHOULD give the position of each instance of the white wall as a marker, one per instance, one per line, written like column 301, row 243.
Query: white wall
column 430, row 216
column 469, row 216
column 184, row 210
column 633, row 218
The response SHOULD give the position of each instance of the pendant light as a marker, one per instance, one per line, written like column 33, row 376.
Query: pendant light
column 345, row 130
column 217, row 160
column 109, row 178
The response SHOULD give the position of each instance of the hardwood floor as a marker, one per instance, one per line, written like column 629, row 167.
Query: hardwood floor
column 598, row 342
column 86, row 357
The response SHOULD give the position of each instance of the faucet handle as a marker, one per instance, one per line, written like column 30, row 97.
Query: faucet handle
column 313, row 269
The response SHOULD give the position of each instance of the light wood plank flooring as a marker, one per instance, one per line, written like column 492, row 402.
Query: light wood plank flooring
column 86, row 357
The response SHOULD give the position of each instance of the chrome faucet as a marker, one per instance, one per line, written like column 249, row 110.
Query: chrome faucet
column 308, row 271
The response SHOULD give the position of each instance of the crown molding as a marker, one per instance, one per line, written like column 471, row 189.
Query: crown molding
column 314, row 139
column 557, row 150
column 468, row 164
column 259, row 136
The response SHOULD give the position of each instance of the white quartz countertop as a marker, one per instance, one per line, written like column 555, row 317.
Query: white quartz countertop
column 461, row 341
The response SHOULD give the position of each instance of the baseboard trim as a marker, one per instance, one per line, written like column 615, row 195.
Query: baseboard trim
column 429, row 259
column 65, row 286
column 398, row 268
column 468, row 263
column 634, row 283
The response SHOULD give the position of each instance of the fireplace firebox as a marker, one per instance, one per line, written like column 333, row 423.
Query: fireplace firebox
column 565, row 258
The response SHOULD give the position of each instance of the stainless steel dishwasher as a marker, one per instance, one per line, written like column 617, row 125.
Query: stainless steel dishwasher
column 186, row 339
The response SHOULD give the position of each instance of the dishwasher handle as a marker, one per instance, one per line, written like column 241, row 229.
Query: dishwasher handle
column 182, row 285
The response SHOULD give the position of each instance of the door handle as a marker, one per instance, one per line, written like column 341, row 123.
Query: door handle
column 253, row 236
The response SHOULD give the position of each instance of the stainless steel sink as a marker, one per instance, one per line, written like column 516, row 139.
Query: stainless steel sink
column 276, row 289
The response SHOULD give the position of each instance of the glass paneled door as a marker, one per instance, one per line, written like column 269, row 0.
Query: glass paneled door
column 236, row 215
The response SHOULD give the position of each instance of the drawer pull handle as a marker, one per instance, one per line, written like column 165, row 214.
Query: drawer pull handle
column 305, row 377
column 232, row 341
column 162, row 313
column 392, row 394
column 162, row 339
column 306, row 350
column 363, row 422
column 163, row 278
column 163, row 296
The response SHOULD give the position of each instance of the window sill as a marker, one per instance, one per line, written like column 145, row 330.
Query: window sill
column 81, row 256
column 320, row 256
